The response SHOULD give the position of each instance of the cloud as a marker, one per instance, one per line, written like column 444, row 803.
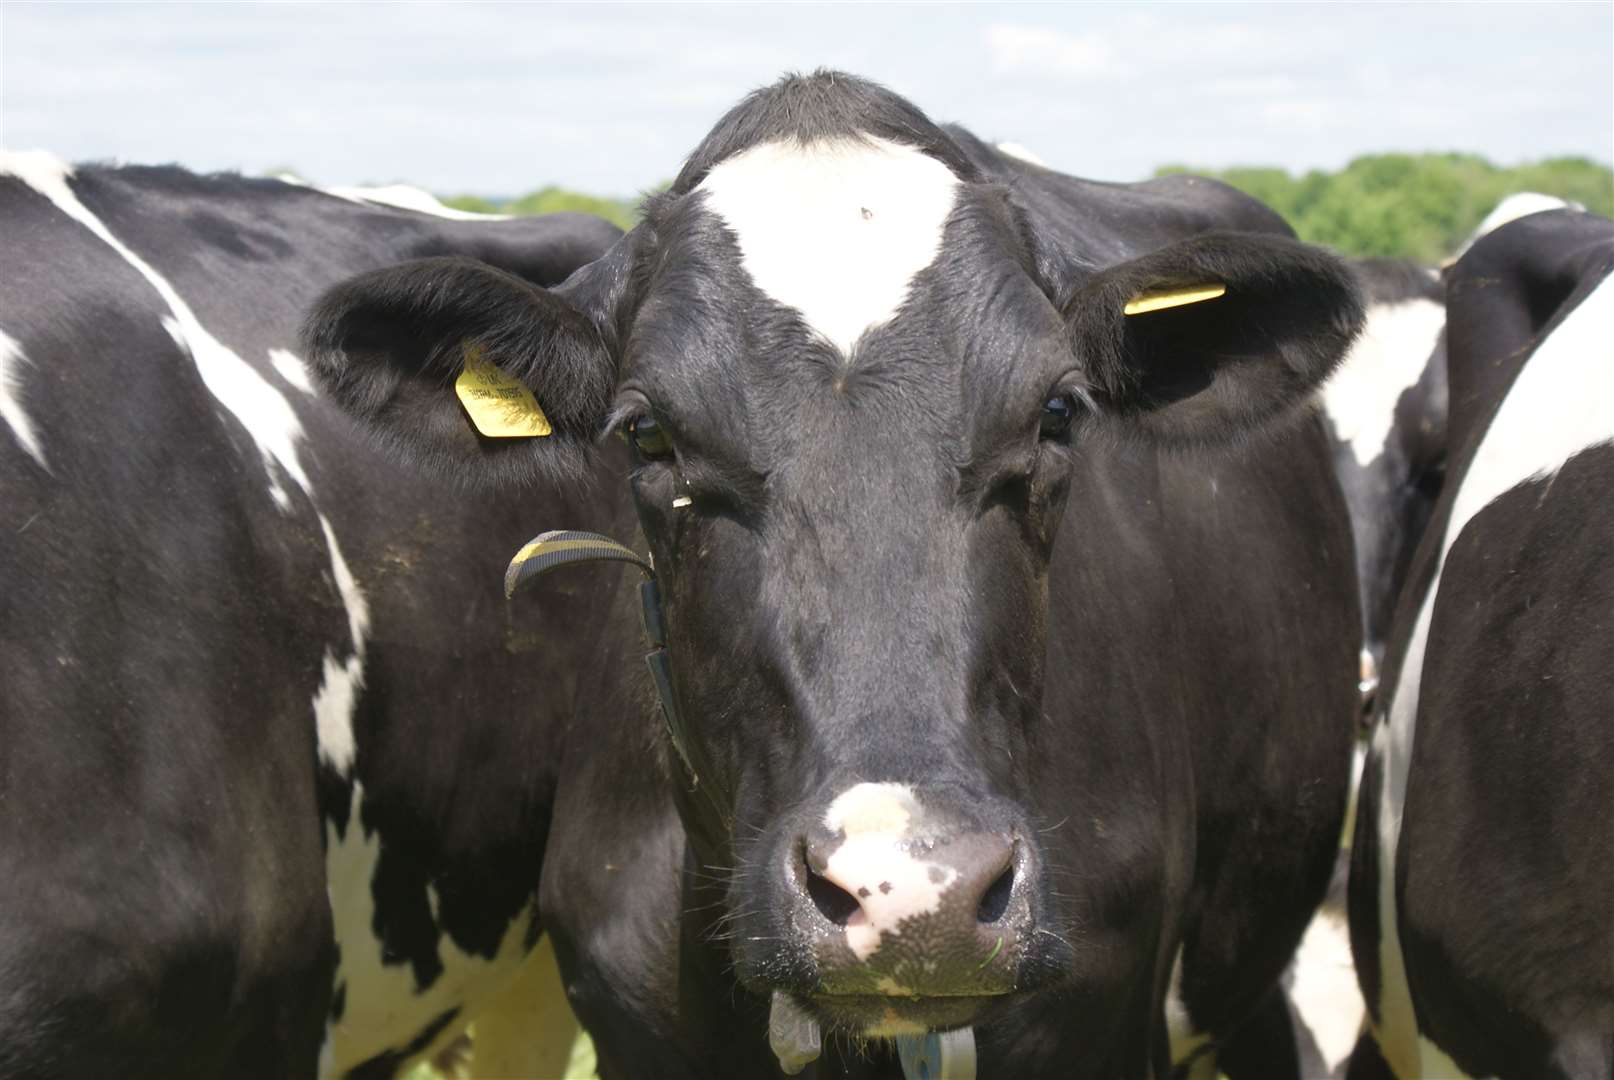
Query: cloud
column 1040, row 50
column 1298, row 115
column 1251, row 86
column 501, row 98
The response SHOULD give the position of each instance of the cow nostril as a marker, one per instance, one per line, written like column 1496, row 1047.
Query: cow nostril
column 833, row 902
column 996, row 900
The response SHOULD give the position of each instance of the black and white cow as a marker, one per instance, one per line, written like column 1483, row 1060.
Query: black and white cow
column 276, row 763
column 1480, row 894
column 1015, row 634
column 1386, row 411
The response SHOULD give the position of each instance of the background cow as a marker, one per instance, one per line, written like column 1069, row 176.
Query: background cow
column 1028, row 695
column 1386, row 410
column 1480, row 918
column 277, row 761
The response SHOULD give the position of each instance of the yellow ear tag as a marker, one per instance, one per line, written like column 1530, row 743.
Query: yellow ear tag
column 499, row 406
column 1144, row 303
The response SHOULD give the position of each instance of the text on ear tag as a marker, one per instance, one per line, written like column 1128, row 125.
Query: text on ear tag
column 499, row 406
column 1158, row 299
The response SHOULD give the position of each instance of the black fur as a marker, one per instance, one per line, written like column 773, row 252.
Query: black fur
column 813, row 108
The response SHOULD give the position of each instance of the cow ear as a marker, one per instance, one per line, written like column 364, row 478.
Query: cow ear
column 1210, row 338
column 471, row 372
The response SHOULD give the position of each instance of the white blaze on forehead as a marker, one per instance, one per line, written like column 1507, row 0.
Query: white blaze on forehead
column 11, row 410
column 874, row 865
column 1557, row 407
column 1389, row 357
column 836, row 229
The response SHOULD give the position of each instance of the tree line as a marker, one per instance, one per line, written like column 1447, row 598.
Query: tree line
column 1416, row 206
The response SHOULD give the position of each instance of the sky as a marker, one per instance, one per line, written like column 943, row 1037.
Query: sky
column 502, row 98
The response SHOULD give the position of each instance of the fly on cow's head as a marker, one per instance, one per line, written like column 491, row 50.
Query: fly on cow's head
column 858, row 372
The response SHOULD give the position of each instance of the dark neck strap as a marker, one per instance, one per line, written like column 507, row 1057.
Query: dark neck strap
column 701, row 801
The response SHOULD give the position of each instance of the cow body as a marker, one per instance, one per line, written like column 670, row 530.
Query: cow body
column 1386, row 410
column 277, row 765
column 1479, row 901
column 1019, row 701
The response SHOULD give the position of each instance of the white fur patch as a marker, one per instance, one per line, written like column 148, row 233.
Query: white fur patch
column 383, row 1010
column 865, row 808
column 339, row 688
column 873, row 863
column 333, row 710
column 11, row 410
column 399, row 195
column 261, row 409
column 1556, row 408
column 291, row 368
column 409, row 198
column 837, row 229
column 1389, row 357
column 1323, row 987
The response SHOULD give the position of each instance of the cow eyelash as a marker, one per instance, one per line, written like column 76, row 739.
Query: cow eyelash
column 636, row 422
column 1064, row 406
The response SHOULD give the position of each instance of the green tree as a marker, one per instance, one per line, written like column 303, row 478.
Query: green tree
column 1419, row 206
column 476, row 204
column 549, row 200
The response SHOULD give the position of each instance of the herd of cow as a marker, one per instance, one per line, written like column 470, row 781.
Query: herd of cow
column 1023, row 566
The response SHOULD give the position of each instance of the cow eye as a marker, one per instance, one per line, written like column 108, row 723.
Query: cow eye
column 1057, row 414
column 650, row 438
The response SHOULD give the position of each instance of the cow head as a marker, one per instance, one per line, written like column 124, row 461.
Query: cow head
column 856, row 394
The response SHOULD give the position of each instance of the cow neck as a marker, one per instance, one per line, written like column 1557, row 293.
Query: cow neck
column 706, row 815
column 701, row 798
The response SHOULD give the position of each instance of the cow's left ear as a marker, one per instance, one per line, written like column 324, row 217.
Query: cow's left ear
column 470, row 372
column 1215, row 336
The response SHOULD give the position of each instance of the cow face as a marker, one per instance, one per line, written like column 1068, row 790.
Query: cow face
column 855, row 403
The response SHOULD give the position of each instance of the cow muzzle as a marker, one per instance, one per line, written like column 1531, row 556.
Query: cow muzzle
column 915, row 915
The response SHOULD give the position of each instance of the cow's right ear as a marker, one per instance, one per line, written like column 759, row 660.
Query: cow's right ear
column 1210, row 338
column 469, row 371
